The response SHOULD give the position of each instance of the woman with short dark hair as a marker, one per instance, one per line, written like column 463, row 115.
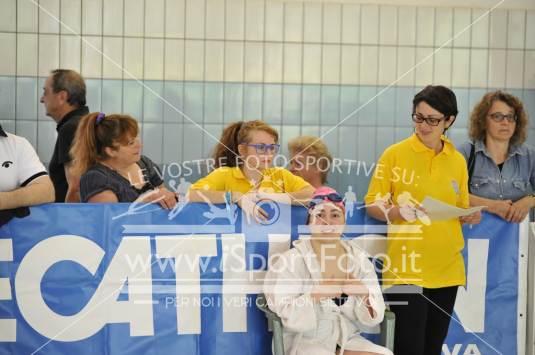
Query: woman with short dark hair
column 425, row 265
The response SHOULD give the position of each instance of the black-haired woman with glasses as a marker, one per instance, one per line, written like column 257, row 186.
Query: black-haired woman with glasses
column 244, row 173
column 500, row 164
column 425, row 266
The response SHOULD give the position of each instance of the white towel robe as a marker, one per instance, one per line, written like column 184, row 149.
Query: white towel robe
column 316, row 328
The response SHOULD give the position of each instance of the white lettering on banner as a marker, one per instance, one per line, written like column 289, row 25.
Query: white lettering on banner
column 470, row 303
column 188, row 287
column 138, row 309
column 471, row 349
column 131, row 263
column 8, row 327
column 28, row 285
column 455, row 351
column 103, row 307
column 234, row 270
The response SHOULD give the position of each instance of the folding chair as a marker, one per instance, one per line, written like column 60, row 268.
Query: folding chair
column 275, row 325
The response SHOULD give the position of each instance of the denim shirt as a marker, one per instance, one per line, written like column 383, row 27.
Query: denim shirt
column 514, row 181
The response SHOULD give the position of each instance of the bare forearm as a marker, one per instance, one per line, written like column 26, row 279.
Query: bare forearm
column 39, row 192
column 530, row 201
column 73, row 195
column 301, row 197
column 481, row 201
column 366, row 300
column 377, row 213
column 298, row 198
column 206, row 196
column 73, row 180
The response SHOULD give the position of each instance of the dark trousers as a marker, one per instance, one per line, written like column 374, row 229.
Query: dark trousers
column 422, row 323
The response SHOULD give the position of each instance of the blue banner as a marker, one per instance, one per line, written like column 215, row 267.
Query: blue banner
column 488, row 314
column 116, row 278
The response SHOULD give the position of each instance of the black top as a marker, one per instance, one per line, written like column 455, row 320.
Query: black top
column 7, row 215
column 66, row 129
column 100, row 178
column 340, row 300
column 500, row 166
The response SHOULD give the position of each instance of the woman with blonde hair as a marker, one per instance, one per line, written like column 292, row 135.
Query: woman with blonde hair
column 107, row 156
column 310, row 159
column 244, row 172
column 501, row 165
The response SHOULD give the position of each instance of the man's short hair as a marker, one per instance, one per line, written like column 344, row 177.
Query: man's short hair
column 71, row 82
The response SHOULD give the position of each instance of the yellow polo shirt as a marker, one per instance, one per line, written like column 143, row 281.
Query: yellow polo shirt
column 276, row 180
column 410, row 166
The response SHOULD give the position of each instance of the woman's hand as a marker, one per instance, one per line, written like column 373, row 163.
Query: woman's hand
column 394, row 214
column 247, row 203
column 354, row 287
column 519, row 210
column 160, row 195
column 500, row 208
column 168, row 198
column 326, row 289
column 473, row 218
column 411, row 213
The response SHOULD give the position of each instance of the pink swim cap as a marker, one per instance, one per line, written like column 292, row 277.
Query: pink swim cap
column 326, row 194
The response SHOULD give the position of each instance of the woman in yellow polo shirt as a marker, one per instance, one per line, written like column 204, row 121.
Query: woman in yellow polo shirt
column 244, row 172
column 425, row 267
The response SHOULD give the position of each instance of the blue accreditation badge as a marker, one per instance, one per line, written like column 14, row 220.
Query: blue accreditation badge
column 455, row 186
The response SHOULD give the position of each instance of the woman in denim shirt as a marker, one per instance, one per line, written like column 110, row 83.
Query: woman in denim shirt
column 503, row 173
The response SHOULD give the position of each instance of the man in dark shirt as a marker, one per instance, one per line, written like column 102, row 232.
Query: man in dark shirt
column 64, row 101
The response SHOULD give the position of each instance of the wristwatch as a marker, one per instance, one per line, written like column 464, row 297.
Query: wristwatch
column 532, row 195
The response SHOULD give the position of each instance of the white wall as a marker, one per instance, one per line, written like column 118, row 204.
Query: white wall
column 302, row 66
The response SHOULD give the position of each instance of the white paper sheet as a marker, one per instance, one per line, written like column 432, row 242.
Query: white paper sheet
column 440, row 211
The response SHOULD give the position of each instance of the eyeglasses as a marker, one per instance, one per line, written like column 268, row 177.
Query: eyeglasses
column 432, row 121
column 333, row 197
column 265, row 148
column 499, row 117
